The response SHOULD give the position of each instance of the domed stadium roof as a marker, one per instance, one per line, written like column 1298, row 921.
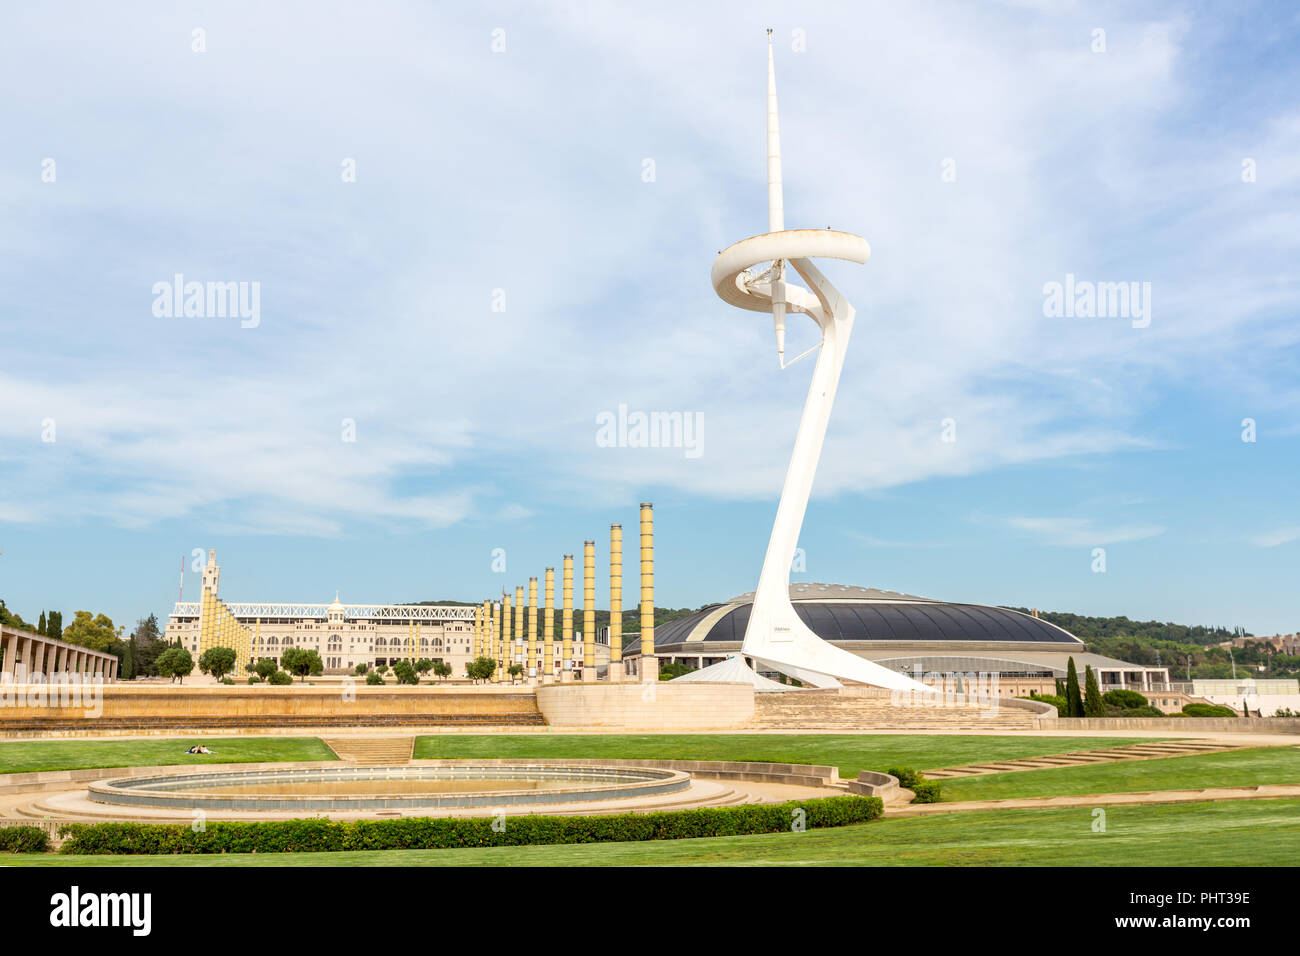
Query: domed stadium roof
column 843, row 613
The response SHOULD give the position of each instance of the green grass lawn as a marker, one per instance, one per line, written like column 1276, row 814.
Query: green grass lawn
column 1238, row 833
column 21, row 756
column 1236, row 768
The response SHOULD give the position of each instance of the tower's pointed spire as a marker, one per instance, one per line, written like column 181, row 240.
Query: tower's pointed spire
column 775, row 204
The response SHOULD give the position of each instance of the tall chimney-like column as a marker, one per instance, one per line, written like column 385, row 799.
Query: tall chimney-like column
column 531, row 669
column 566, row 622
column 615, row 603
column 589, row 610
column 648, row 666
column 548, row 629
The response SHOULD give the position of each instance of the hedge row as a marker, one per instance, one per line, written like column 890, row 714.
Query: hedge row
column 24, row 840
column 927, row 791
column 429, row 833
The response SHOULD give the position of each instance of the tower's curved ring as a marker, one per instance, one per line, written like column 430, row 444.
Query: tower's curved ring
column 735, row 260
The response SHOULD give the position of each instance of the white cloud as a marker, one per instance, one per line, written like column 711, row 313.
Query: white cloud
column 1276, row 537
column 522, row 171
column 1082, row 532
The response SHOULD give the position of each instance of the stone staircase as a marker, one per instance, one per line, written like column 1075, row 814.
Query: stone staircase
column 372, row 751
column 833, row 710
column 1144, row 751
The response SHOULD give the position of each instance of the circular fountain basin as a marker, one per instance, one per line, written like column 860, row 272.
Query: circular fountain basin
column 387, row 788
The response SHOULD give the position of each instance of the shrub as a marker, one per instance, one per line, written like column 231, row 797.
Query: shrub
column 24, row 839
column 927, row 791
column 429, row 833
column 1125, row 698
column 1146, row 710
column 1208, row 710
column 1055, row 700
column 279, row 679
column 374, row 679
column 254, row 679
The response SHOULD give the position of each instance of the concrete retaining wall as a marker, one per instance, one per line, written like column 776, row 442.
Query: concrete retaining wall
column 665, row 705
column 1235, row 725
column 255, row 706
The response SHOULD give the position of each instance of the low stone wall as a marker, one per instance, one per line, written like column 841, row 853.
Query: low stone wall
column 245, row 707
column 796, row 774
column 1235, row 725
column 42, row 780
column 665, row 705
column 873, row 784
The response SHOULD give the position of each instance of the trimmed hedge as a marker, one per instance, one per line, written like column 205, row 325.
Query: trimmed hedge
column 24, row 840
column 927, row 791
column 433, row 833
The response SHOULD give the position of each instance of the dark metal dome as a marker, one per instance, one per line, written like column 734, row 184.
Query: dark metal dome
column 885, row 617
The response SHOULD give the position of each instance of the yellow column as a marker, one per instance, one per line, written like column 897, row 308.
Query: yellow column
column 478, row 623
column 615, row 602
column 507, row 636
column 589, row 610
column 548, row 629
column 518, row 632
column 566, row 621
column 530, row 665
column 496, row 640
column 648, row 667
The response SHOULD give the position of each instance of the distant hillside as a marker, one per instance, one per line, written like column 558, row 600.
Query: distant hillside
column 1101, row 628
column 1187, row 651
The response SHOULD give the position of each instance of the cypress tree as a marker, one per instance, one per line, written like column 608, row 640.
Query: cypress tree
column 1093, row 705
column 1073, row 699
column 128, row 660
column 40, row 627
column 54, row 625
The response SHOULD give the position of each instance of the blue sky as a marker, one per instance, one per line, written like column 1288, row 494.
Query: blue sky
column 522, row 170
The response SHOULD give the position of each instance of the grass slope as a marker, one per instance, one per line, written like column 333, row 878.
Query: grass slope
column 849, row 752
column 24, row 756
column 1236, row 768
column 1239, row 833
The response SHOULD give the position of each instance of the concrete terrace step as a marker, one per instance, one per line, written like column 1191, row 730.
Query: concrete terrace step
column 1087, row 757
column 372, row 751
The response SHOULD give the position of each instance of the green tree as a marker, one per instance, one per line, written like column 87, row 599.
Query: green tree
column 54, row 625
column 1072, row 696
column 481, row 668
column 265, row 667
column 1093, row 705
column 405, row 672
column 217, row 661
column 96, row 633
column 514, row 670
column 13, row 620
column 361, row 668
column 128, row 660
column 424, row 665
column 279, row 678
column 374, row 679
column 301, row 661
column 175, row 663
column 40, row 625
column 442, row 670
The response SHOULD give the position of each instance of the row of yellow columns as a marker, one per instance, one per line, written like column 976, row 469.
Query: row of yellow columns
column 497, row 625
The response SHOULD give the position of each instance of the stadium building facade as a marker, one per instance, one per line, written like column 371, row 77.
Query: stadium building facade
column 909, row 634
column 344, row 635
